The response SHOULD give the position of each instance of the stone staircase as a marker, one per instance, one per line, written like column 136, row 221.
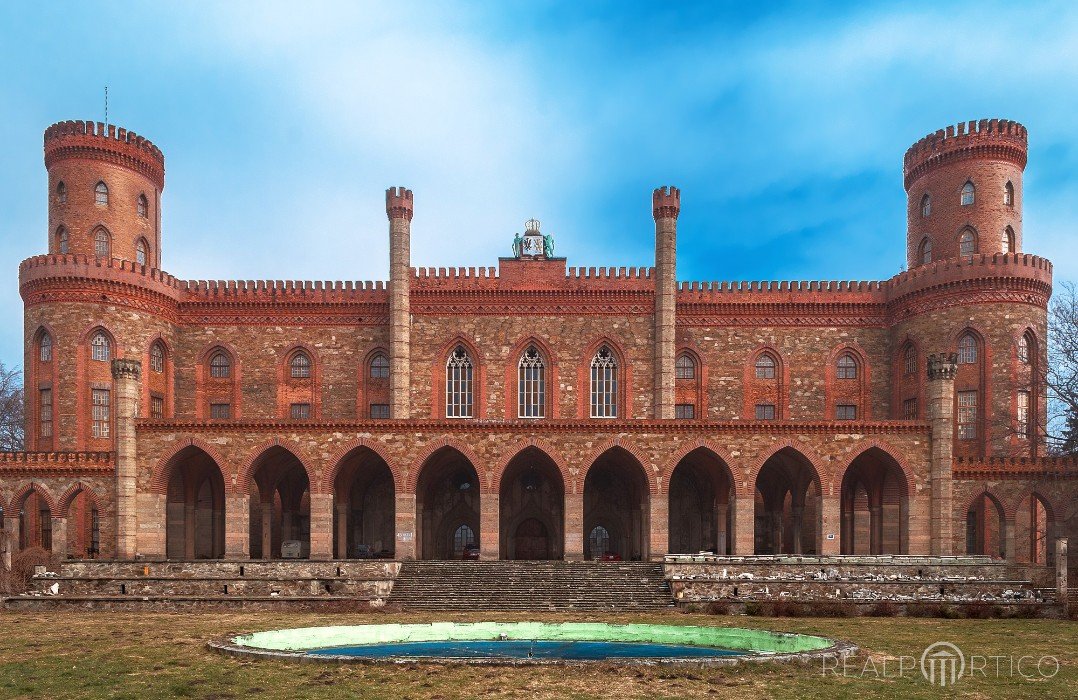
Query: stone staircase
column 531, row 586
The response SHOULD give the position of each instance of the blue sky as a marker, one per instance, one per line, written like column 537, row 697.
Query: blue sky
column 283, row 123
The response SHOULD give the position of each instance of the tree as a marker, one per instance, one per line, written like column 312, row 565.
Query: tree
column 12, row 410
column 1061, row 371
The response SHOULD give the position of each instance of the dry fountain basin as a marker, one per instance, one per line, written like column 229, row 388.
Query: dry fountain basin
column 512, row 643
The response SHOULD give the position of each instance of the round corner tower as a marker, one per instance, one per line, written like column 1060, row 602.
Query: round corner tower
column 105, row 188
column 964, row 191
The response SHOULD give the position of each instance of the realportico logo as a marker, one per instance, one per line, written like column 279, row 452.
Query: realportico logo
column 943, row 664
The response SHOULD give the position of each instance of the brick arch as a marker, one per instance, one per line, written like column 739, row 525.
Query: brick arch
column 411, row 478
column 1012, row 512
column 737, row 472
column 19, row 497
column 312, row 354
column 603, row 448
column 907, row 473
column 88, row 334
column 543, row 446
column 162, row 472
column 205, row 354
column 64, row 503
column 329, row 475
column 44, row 327
column 992, row 496
column 864, row 379
column 819, row 466
column 247, row 469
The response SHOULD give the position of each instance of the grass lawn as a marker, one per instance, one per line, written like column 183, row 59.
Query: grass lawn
column 138, row 656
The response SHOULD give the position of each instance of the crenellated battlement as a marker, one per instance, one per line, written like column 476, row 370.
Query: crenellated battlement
column 95, row 140
column 954, row 270
column 703, row 289
column 988, row 138
column 666, row 202
column 399, row 203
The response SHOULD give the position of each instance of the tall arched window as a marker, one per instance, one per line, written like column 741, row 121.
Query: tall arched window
column 157, row 357
column 220, row 366
column 62, row 240
column 967, row 349
column 967, row 243
column 846, row 367
column 968, row 193
column 598, row 541
column 45, row 347
column 924, row 253
column 142, row 206
column 1023, row 349
column 684, row 367
column 1008, row 194
column 379, row 367
column 911, row 360
column 531, row 385
column 926, row 205
column 458, row 384
column 765, row 366
column 604, row 384
column 140, row 251
column 102, row 243
column 101, row 194
column 1007, row 241
column 464, row 536
column 61, row 192
column 301, row 366
column 100, row 348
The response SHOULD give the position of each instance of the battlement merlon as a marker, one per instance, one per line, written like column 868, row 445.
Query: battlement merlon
column 666, row 202
column 1000, row 139
column 399, row 203
column 111, row 144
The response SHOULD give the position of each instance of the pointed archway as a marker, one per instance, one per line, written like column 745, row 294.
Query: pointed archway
column 986, row 527
column 616, row 507
column 364, row 506
column 874, row 505
column 280, row 525
column 194, row 507
column 447, row 504
column 789, row 505
column 532, row 508
column 701, row 496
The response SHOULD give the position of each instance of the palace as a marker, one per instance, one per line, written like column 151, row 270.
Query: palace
column 534, row 410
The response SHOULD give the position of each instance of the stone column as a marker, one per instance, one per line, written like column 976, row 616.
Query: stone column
column 189, row 516
column 321, row 526
column 9, row 539
column 940, row 412
column 127, row 389
column 342, row 529
column 399, row 210
column 405, row 516
column 666, row 204
column 830, row 520
column 744, row 526
column 723, row 534
column 659, row 522
column 238, row 527
column 59, row 540
column 574, row 527
column 267, row 528
column 875, row 544
column 489, row 525
column 797, row 516
column 1061, row 572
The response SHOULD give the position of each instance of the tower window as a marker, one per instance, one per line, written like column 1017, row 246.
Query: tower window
column 101, row 194
column 684, row 367
column 968, row 194
column 102, row 244
column 100, row 348
column 967, row 243
column 911, row 360
column 847, row 367
column 1007, row 241
column 967, row 350
column 967, row 415
column 45, row 348
column 531, row 385
column 926, row 205
column 925, row 252
column 1008, row 194
column 157, row 358
column 220, row 366
column 100, row 401
column 1023, row 349
column 301, row 366
column 142, row 205
column 458, row 384
column 604, row 384
column 380, row 367
column 45, row 416
column 765, row 367
column 909, row 409
column 1023, row 414
column 62, row 239
column 61, row 192
column 140, row 252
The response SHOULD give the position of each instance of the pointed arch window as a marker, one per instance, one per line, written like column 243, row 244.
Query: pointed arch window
column 926, row 206
column 598, row 541
column 924, row 254
column 458, row 384
column 967, row 349
column 142, row 206
column 765, row 366
column 684, row 367
column 847, row 367
column 100, row 347
column 102, row 243
column 463, row 537
column 967, row 243
column 301, row 366
column 157, row 357
column 1007, row 241
column 968, row 194
column 61, row 192
column 911, row 360
column 140, row 251
column 1023, row 349
column 45, row 347
column 62, row 240
column 604, row 384
column 379, row 367
column 531, row 384
column 101, row 194
column 1008, row 194
column 220, row 366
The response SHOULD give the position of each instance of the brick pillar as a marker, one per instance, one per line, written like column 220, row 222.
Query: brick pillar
column 267, row 528
column 127, row 387
column 830, row 520
column 666, row 204
column 151, row 524
column 744, row 525
column 659, row 522
column 1008, row 537
column 321, row 526
column 342, row 529
column 405, row 517
column 1061, row 572
column 238, row 527
column 574, row 527
column 723, row 535
column 940, row 412
column 399, row 210
column 875, row 544
column 59, row 539
column 9, row 539
column 489, row 526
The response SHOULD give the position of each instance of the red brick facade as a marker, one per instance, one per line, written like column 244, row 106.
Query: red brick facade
column 237, row 449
